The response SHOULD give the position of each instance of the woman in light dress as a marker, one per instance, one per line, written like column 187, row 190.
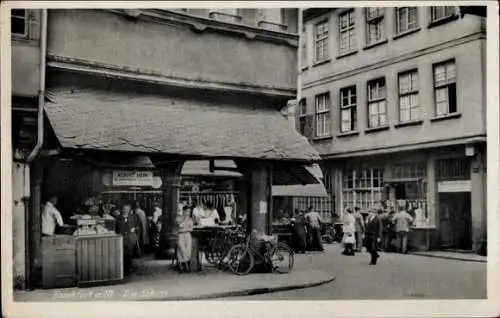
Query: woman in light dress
column 184, row 244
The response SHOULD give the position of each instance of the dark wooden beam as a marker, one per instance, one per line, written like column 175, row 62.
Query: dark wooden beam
column 474, row 10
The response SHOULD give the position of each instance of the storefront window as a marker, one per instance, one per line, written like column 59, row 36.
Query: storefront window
column 362, row 188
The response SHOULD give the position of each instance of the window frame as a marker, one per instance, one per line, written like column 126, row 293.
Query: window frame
column 26, row 24
column 378, row 20
column 377, row 100
column 444, row 16
column 324, row 39
column 408, row 29
column 302, row 115
column 326, row 112
column 366, row 192
column 446, row 84
column 347, row 30
column 350, row 107
column 411, row 91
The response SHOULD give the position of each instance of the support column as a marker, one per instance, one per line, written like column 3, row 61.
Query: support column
column 34, row 224
column 260, row 209
column 478, row 203
column 171, row 179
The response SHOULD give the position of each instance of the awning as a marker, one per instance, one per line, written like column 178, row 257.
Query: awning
column 126, row 121
column 282, row 174
column 313, row 188
column 308, row 190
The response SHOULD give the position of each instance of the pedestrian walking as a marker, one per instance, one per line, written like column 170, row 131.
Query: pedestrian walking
column 144, row 228
column 298, row 224
column 402, row 220
column 360, row 228
column 349, row 229
column 184, row 243
column 128, row 226
column 314, row 222
column 373, row 234
column 389, row 231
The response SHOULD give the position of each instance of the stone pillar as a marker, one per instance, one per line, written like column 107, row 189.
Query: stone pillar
column 171, row 178
column 259, row 196
column 478, row 199
column 20, row 204
column 34, row 224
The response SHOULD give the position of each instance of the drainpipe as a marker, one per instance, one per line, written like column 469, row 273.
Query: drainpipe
column 34, row 153
column 299, row 63
column 41, row 93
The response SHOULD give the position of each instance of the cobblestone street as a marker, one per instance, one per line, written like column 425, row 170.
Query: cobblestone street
column 395, row 277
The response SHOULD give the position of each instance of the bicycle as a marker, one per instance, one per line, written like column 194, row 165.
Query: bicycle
column 241, row 257
column 219, row 246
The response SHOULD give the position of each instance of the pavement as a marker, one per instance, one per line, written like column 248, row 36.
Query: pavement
column 395, row 277
column 460, row 256
column 328, row 275
column 155, row 280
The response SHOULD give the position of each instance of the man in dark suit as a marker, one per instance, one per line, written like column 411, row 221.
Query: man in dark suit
column 128, row 226
column 373, row 234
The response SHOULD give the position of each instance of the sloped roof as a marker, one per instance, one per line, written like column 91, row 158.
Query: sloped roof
column 121, row 121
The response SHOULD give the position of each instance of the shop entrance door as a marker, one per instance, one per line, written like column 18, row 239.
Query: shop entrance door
column 455, row 220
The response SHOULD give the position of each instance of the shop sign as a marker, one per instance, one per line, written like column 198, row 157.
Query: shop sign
column 454, row 186
column 132, row 178
column 263, row 207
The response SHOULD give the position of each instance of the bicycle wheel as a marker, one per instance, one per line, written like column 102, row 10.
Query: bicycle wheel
column 220, row 250
column 240, row 260
column 281, row 257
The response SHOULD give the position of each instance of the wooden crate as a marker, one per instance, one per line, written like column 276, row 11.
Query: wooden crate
column 99, row 260
column 58, row 261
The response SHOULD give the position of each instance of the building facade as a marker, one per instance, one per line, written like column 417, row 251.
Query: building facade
column 27, row 42
column 103, row 88
column 394, row 100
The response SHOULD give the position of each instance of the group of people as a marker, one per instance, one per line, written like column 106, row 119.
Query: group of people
column 380, row 227
column 306, row 231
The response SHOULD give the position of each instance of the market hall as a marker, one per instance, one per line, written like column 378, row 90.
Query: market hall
column 99, row 140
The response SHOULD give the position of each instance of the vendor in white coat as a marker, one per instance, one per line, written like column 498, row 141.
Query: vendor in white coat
column 349, row 229
column 50, row 216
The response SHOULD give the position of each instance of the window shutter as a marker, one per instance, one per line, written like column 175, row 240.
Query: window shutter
column 309, row 130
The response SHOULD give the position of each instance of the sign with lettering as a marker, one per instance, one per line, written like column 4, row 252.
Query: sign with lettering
column 132, row 178
column 263, row 207
column 454, row 186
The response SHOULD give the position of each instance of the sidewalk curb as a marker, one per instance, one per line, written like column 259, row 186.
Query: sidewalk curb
column 244, row 292
column 450, row 257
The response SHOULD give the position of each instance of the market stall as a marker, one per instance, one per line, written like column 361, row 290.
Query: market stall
column 87, row 254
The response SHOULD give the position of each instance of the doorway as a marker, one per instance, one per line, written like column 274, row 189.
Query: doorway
column 455, row 220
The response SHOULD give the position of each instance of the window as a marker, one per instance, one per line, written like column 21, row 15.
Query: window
column 453, row 169
column 409, row 108
column 321, row 41
column 302, row 113
column 407, row 19
column 374, row 25
column 348, row 109
column 271, row 19
column 377, row 112
column 362, row 187
column 322, row 106
column 445, row 90
column 347, row 32
column 225, row 15
column 441, row 12
column 18, row 21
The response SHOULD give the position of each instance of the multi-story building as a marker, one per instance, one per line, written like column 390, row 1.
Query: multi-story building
column 28, row 40
column 162, row 85
column 394, row 100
